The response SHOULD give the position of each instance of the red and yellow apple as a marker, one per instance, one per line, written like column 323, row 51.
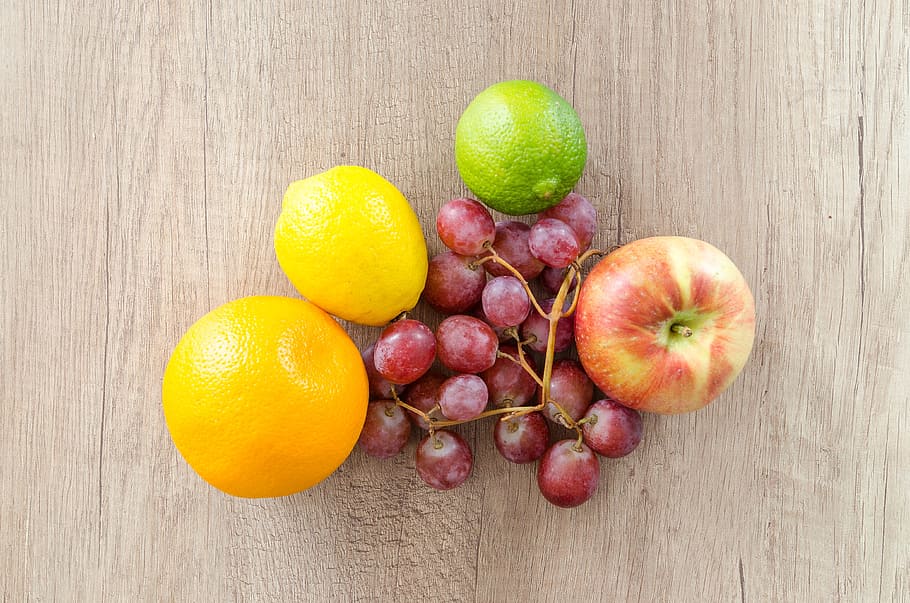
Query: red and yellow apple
column 664, row 324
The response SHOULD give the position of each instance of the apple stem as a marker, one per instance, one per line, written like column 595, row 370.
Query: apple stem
column 681, row 330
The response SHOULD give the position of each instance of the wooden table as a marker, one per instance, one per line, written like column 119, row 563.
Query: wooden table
column 144, row 150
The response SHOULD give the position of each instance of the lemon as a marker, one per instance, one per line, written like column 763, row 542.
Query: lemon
column 265, row 396
column 350, row 243
column 520, row 147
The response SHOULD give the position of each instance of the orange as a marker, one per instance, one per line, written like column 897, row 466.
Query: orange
column 520, row 147
column 265, row 396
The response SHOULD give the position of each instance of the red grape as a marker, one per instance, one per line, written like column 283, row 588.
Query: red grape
column 386, row 429
column 539, row 327
column 444, row 460
column 508, row 383
column 522, row 439
column 500, row 331
column 614, row 430
column 452, row 285
column 512, row 245
column 579, row 214
column 571, row 388
column 553, row 242
column 466, row 344
column 551, row 278
column 464, row 226
column 567, row 477
column 505, row 301
column 380, row 387
column 404, row 351
column 462, row 397
column 422, row 396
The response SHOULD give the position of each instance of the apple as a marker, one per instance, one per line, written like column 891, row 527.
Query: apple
column 664, row 324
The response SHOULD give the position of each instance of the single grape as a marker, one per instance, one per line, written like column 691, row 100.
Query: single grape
column 566, row 476
column 613, row 430
column 422, row 396
column 444, row 460
column 452, row 284
column 551, row 278
column 571, row 388
column 505, row 301
column 512, row 245
column 404, row 351
column 508, row 383
column 380, row 387
column 553, row 242
column 522, row 439
column 466, row 344
column 462, row 397
column 386, row 429
column 500, row 331
column 465, row 226
column 539, row 327
column 579, row 214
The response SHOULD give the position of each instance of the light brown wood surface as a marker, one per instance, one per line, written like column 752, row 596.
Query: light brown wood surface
column 144, row 150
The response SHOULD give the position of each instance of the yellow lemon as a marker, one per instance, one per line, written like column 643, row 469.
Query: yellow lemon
column 265, row 396
column 351, row 243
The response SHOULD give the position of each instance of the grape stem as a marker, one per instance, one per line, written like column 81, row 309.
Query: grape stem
column 416, row 411
column 577, row 447
column 576, row 266
column 591, row 253
column 575, row 269
column 555, row 314
column 424, row 415
column 510, row 411
column 495, row 257
column 523, row 364
column 519, row 411
column 553, row 317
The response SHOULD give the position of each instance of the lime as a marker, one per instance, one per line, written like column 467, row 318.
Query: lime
column 520, row 147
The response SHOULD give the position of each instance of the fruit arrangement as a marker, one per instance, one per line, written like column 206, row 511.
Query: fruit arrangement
column 266, row 396
column 662, row 324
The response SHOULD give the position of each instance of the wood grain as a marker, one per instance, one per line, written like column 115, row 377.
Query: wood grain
column 144, row 149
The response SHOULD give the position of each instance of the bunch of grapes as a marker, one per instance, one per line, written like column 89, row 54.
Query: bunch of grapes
column 495, row 338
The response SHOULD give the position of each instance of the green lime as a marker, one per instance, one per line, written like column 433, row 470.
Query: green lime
column 520, row 147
